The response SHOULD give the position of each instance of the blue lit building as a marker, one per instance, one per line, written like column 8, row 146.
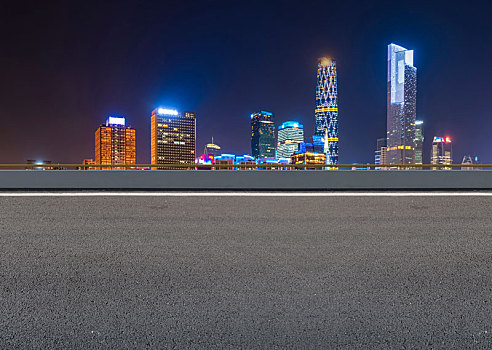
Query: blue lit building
column 262, row 135
column 266, row 162
column 326, row 112
column 290, row 135
column 317, row 145
column 225, row 159
column 232, row 159
column 244, row 160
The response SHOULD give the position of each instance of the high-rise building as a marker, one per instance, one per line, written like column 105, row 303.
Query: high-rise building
column 290, row 135
column 419, row 141
column 115, row 143
column 326, row 112
column 380, row 154
column 212, row 149
column 262, row 135
column 172, row 137
column 401, row 105
column 442, row 152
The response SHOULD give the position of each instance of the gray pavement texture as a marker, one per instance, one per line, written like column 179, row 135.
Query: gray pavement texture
column 246, row 272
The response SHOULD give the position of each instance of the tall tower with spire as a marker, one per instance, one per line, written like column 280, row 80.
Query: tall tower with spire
column 326, row 112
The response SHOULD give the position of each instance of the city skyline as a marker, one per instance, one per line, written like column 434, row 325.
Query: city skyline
column 65, row 87
column 173, row 133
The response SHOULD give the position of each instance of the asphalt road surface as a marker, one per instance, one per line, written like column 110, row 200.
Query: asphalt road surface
column 245, row 272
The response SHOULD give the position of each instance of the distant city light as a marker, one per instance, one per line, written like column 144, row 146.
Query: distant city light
column 447, row 139
column 116, row 120
column 166, row 111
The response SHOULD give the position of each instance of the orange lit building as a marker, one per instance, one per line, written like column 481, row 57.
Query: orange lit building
column 308, row 158
column 115, row 143
column 172, row 137
column 88, row 161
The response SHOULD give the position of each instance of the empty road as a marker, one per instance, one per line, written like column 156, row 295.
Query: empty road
column 254, row 272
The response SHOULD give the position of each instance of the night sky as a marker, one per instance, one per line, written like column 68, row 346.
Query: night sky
column 66, row 65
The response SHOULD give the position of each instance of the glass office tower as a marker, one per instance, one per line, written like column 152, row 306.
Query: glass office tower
column 290, row 135
column 419, row 141
column 262, row 135
column 172, row 137
column 115, row 143
column 401, row 105
column 326, row 112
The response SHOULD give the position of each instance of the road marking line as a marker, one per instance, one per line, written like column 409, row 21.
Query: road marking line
column 245, row 194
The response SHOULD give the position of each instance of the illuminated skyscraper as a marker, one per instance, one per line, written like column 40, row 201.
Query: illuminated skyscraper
column 290, row 135
column 115, row 143
column 172, row 137
column 262, row 135
column 326, row 112
column 419, row 141
column 401, row 105
column 442, row 152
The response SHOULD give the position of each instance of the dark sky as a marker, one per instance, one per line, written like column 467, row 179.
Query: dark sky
column 66, row 65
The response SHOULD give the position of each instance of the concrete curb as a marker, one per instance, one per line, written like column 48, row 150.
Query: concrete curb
column 244, row 180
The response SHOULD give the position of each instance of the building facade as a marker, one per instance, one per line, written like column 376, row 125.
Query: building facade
column 401, row 105
column 115, row 143
column 172, row 137
column 225, row 159
column 470, row 160
column 380, row 156
column 442, row 152
column 88, row 161
column 308, row 158
column 290, row 135
column 419, row 141
column 262, row 135
column 326, row 112
column 315, row 146
column 245, row 160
